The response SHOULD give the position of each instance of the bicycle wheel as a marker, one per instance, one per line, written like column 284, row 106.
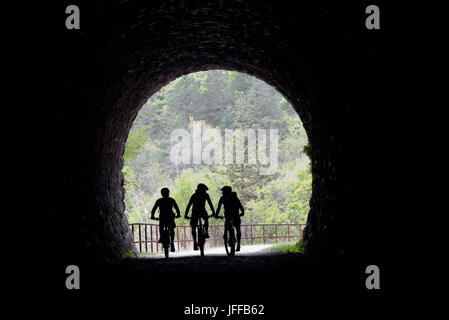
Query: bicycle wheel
column 226, row 243
column 166, row 250
column 166, row 243
column 229, row 242
column 201, row 239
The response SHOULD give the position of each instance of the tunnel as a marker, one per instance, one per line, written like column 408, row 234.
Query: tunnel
column 147, row 48
column 315, row 55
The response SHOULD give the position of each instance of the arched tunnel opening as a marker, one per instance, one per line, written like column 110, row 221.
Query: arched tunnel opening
column 219, row 128
column 315, row 55
column 113, row 181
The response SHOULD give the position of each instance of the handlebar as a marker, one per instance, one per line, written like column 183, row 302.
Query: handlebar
column 157, row 219
column 209, row 216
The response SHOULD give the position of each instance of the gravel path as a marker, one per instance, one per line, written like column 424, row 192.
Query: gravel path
column 217, row 251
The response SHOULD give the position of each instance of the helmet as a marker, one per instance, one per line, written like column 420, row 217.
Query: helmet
column 165, row 191
column 226, row 189
column 202, row 186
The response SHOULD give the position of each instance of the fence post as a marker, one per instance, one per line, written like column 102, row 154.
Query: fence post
column 276, row 233
column 151, row 237
column 140, row 239
column 177, row 236
column 132, row 230
column 215, row 236
column 157, row 239
column 288, row 232
column 146, row 239
column 185, row 239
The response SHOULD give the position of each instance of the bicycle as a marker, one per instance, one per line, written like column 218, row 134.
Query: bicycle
column 165, row 238
column 201, row 233
column 229, row 237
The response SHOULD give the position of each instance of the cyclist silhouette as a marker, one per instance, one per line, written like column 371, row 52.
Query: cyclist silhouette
column 232, row 207
column 198, row 204
column 166, row 215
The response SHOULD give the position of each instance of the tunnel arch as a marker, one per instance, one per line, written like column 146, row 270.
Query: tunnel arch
column 209, row 119
column 139, row 50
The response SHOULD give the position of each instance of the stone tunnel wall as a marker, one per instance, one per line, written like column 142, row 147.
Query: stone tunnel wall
column 148, row 48
column 71, row 96
column 127, row 50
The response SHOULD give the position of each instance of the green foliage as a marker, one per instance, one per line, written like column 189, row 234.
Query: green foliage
column 128, row 255
column 286, row 247
column 282, row 200
column 223, row 100
column 307, row 149
column 135, row 141
column 302, row 248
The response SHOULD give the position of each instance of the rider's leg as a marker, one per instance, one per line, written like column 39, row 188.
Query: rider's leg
column 195, row 244
column 193, row 225
column 232, row 235
column 172, row 240
column 239, row 235
column 206, row 226
column 161, row 228
column 236, row 224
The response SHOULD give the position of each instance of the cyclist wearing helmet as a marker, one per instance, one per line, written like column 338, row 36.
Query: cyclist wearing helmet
column 232, row 207
column 198, row 204
column 166, row 215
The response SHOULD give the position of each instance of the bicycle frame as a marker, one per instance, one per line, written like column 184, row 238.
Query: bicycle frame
column 165, row 237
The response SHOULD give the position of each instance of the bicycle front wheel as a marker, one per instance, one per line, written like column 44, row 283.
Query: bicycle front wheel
column 201, row 240
column 229, row 243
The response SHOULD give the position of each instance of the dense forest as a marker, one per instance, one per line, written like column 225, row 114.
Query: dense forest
column 220, row 100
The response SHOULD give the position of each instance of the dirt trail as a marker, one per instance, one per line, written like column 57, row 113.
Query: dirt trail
column 217, row 251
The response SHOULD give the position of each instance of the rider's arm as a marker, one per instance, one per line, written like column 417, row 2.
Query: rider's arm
column 220, row 202
column 188, row 207
column 210, row 204
column 178, row 213
column 156, row 205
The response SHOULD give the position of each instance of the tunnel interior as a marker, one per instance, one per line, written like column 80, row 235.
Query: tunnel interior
column 142, row 55
column 313, row 54
column 346, row 83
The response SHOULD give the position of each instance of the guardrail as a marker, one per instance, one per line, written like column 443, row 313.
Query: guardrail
column 146, row 235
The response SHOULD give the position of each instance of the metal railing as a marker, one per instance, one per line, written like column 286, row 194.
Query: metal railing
column 146, row 235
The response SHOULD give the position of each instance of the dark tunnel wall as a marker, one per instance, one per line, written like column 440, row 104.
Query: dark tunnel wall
column 126, row 51
column 143, row 49
column 90, row 84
